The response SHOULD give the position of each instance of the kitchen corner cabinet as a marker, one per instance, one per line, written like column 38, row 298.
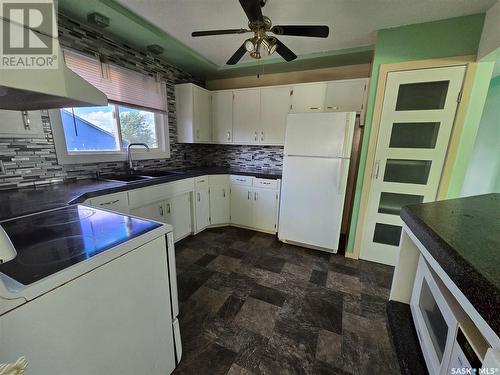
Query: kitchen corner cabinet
column 246, row 116
column 222, row 116
column 20, row 123
column 193, row 109
column 309, row 97
column 219, row 199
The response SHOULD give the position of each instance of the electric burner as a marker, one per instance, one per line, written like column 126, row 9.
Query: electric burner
column 63, row 217
column 51, row 241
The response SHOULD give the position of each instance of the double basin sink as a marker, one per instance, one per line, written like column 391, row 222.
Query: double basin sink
column 131, row 178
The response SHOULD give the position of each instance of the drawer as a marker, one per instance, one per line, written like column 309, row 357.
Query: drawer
column 114, row 202
column 201, row 182
column 265, row 183
column 241, row 180
column 151, row 194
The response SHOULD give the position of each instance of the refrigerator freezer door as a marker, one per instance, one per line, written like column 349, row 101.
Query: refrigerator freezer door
column 327, row 134
column 312, row 197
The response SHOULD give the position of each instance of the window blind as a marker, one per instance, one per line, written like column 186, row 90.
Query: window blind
column 119, row 84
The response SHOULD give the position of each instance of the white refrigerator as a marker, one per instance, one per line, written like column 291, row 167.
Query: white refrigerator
column 315, row 171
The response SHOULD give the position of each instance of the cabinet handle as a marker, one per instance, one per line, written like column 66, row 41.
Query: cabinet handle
column 254, row 195
column 333, row 107
column 26, row 120
column 256, row 136
column 168, row 208
column 108, row 203
column 161, row 211
column 197, row 133
column 199, row 197
column 314, row 108
column 228, row 136
column 376, row 168
column 224, row 193
column 248, row 196
column 201, row 181
column 262, row 136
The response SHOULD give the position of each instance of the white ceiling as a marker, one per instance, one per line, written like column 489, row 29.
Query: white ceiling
column 353, row 23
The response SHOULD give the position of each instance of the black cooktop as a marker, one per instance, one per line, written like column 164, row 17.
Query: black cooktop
column 51, row 241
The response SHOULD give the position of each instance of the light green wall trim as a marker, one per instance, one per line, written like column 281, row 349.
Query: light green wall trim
column 132, row 29
column 451, row 37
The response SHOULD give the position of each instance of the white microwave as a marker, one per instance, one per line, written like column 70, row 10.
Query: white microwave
column 448, row 338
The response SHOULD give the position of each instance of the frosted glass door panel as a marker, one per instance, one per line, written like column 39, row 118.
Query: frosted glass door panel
column 387, row 234
column 434, row 320
column 391, row 203
column 407, row 171
column 422, row 96
column 414, row 135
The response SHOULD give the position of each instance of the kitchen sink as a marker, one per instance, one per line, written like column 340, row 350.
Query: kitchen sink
column 127, row 178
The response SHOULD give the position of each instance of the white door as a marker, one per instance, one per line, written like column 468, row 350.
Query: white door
column 416, row 122
column 325, row 134
column 222, row 116
column 264, row 209
column 154, row 211
column 275, row 106
column 201, row 115
column 178, row 210
column 20, row 124
column 312, row 195
column 246, row 116
column 202, row 204
column 241, row 205
column 309, row 97
column 345, row 95
column 219, row 199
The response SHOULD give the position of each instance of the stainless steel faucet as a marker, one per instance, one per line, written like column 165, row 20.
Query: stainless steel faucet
column 129, row 154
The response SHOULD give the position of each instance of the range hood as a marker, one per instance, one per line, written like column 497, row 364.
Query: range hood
column 32, row 89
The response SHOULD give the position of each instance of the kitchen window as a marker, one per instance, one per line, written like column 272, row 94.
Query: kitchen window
column 136, row 114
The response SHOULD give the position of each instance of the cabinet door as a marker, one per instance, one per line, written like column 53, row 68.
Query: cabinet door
column 178, row 211
column 201, row 115
column 153, row 211
column 20, row 123
column 275, row 106
column 309, row 97
column 345, row 96
column 202, row 204
column 219, row 199
column 241, row 205
column 246, row 116
column 264, row 209
column 222, row 116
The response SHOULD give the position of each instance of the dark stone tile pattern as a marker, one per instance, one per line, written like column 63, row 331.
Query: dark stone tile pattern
column 462, row 235
column 253, row 305
column 404, row 336
column 27, row 200
column 32, row 161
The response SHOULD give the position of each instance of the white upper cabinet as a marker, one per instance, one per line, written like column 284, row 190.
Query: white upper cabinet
column 346, row 95
column 309, row 97
column 222, row 116
column 193, row 112
column 275, row 106
column 20, row 123
column 246, row 116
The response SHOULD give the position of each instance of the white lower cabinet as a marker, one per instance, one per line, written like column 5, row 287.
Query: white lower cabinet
column 202, row 208
column 219, row 199
column 178, row 213
column 241, row 205
column 154, row 211
column 265, row 208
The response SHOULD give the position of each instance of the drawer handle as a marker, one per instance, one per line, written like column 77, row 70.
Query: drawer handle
column 201, row 181
column 108, row 203
column 333, row 107
column 240, row 179
column 266, row 183
column 248, row 196
column 168, row 208
column 314, row 108
column 161, row 211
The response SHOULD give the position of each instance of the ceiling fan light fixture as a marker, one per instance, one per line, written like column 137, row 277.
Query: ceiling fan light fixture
column 250, row 44
column 270, row 45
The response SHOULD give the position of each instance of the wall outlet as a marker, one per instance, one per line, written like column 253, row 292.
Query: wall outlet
column 2, row 168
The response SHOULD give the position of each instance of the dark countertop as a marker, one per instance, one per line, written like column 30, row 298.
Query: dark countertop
column 24, row 201
column 463, row 236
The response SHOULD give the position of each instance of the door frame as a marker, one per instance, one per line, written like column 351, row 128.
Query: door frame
column 385, row 69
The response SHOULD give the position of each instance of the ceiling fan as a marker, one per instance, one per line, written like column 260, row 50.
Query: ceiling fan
column 261, row 25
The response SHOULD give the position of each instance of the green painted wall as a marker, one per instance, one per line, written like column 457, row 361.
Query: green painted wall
column 451, row 37
column 483, row 172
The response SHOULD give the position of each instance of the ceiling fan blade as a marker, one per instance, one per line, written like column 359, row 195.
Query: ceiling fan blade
column 284, row 51
column 252, row 9
column 219, row 32
column 302, row 30
column 237, row 55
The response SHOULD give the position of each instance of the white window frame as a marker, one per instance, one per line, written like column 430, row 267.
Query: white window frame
column 86, row 157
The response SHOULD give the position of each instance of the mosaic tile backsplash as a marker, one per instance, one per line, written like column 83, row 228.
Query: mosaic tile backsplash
column 33, row 161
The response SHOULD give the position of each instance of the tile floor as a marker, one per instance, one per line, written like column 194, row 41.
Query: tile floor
column 252, row 305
